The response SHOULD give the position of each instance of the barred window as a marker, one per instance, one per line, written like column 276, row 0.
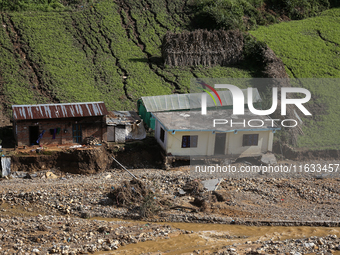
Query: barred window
column 250, row 140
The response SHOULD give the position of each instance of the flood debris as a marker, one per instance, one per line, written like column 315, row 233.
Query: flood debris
column 204, row 201
column 129, row 193
column 5, row 166
column 136, row 196
column 193, row 187
column 212, row 184
column 91, row 140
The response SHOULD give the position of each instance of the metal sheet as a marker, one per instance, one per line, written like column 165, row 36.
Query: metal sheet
column 120, row 134
column 211, row 184
column 51, row 111
column 5, row 166
column 122, row 118
column 190, row 101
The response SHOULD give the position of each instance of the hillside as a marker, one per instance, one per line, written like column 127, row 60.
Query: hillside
column 110, row 51
column 310, row 49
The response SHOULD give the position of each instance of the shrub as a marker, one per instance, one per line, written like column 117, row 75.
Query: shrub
column 149, row 207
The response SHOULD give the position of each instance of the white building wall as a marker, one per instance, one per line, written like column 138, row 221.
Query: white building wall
column 206, row 143
column 158, row 127
column 235, row 143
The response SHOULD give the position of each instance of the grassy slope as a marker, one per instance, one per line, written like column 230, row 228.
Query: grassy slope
column 310, row 49
column 109, row 52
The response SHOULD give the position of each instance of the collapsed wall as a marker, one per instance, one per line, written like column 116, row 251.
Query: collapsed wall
column 90, row 160
column 87, row 161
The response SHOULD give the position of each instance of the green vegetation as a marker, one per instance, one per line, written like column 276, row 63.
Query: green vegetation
column 310, row 48
column 44, row 5
column 248, row 14
column 91, row 50
column 107, row 51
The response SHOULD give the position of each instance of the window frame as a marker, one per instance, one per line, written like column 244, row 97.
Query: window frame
column 250, row 140
column 187, row 142
column 162, row 134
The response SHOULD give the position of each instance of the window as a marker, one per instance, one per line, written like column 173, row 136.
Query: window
column 250, row 140
column 161, row 135
column 189, row 141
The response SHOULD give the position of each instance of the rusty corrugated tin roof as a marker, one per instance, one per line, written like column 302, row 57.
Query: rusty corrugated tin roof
column 51, row 111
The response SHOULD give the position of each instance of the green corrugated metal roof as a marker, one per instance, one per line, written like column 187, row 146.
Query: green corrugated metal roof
column 190, row 101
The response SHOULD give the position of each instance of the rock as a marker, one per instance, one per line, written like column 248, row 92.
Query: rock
column 50, row 175
column 36, row 251
column 309, row 245
column 108, row 176
column 42, row 228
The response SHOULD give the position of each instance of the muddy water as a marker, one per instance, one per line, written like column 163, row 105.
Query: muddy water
column 7, row 209
column 214, row 236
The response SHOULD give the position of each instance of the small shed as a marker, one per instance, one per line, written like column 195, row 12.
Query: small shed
column 184, row 102
column 124, row 126
column 44, row 124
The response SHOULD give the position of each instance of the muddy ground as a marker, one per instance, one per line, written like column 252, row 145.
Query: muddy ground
column 46, row 210
column 237, row 200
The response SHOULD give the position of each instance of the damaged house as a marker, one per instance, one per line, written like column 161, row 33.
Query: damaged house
column 123, row 126
column 184, row 133
column 189, row 134
column 66, row 123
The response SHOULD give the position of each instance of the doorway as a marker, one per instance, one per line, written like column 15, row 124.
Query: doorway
column 33, row 134
column 110, row 133
column 220, row 139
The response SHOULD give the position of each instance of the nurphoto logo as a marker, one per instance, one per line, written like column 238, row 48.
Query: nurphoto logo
column 239, row 104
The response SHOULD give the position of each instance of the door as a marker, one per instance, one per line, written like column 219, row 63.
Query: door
column 33, row 134
column 110, row 133
column 77, row 133
column 220, row 139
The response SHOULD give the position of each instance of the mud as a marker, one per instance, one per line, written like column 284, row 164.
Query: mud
column 212, row 239
column 62, row 199
column 76, row 161
column 88, row 159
